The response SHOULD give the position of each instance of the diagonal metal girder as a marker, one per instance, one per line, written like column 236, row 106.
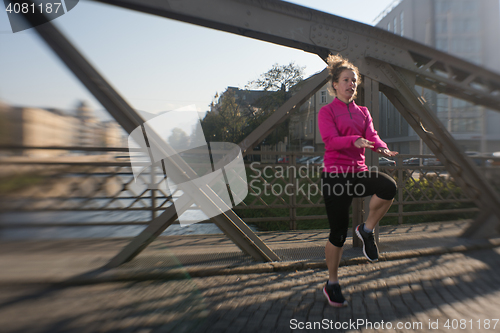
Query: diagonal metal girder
column 228, row 221
column 321, row 33
column 311, row 86
column 156, row 227
column 313, row 31
column 418, row 114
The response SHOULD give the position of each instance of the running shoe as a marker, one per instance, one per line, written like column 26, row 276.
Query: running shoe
column 333, row 294
column 369, row 246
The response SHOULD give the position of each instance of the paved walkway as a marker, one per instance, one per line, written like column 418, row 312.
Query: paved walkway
column 447, row 283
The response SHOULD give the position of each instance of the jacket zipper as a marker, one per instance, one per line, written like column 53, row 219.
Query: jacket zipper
column 349, row 111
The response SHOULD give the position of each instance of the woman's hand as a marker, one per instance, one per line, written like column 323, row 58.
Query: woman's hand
column 363, row 143
column 386, row 152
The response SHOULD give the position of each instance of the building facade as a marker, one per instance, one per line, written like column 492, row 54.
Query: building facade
column 36, row 127
column 303, row 127
column 467, row 29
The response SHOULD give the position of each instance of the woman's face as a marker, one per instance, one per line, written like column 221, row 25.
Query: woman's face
column 346, row 86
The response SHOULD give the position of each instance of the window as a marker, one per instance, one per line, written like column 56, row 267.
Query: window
column 463, row 46
column 459, row 26
column 443, row 6
column 458, row 103
column 442, row 44
column 457, row 45
column 442, row 103
column 441, row 26
column 476, row 60
column 401, row 23
column 396, row 25
column 323, row 97
column 473, row 45
column 471, row 25
column 472, row 125
column 469, row 6
column 467, row 25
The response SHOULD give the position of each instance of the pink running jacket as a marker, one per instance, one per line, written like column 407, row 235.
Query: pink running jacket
column 340, row 125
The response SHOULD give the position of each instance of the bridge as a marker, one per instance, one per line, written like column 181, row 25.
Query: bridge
column 389, row 64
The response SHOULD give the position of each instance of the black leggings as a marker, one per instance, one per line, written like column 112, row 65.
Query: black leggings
column 339, row 190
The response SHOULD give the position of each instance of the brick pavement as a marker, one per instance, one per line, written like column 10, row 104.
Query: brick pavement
column 54, row 261
column 426, row 289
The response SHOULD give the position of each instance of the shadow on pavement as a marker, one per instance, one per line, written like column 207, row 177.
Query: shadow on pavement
column 418, row 290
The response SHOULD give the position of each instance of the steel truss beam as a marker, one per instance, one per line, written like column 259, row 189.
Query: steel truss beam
column 426, row 124
column 159, row 224
column 321, row 33
column 311, row 86
column 227, row 221
column 317, row 32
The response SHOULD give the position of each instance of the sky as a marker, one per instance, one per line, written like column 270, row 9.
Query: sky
column 156, row 64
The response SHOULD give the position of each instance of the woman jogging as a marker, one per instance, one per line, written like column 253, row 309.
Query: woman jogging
column 347, row 129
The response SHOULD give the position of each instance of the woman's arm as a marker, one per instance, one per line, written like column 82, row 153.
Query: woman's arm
column 371, row 134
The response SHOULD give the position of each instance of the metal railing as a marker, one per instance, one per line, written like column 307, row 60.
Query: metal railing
column 425, row 184
column 285, row 192
column 81, row 181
